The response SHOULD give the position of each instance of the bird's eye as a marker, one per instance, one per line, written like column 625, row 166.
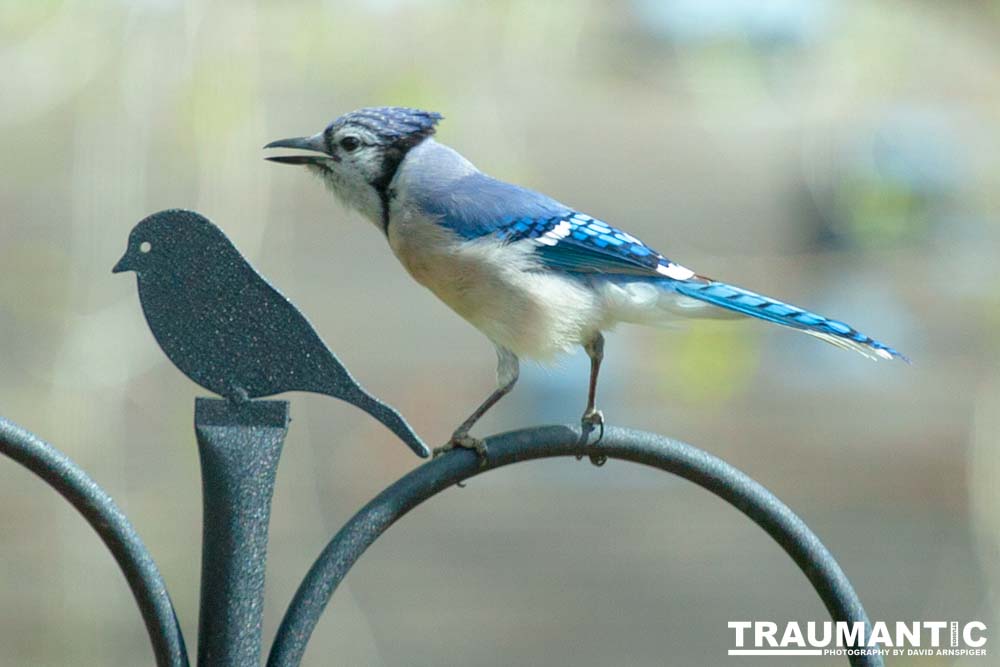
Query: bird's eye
column 349, row 143
column 145, row 247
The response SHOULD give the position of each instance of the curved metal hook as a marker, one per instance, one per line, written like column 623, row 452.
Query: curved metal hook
column 673, row 456
column 100, row 511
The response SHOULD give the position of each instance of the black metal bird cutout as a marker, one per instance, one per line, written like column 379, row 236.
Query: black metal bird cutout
column 226, row 328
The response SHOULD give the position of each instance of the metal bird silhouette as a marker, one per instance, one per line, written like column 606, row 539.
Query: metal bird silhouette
column 229, row 330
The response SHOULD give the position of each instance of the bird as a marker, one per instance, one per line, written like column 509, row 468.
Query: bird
column 227, row 328
column 537, row 277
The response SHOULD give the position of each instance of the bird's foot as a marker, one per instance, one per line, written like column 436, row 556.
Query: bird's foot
column 465, row 441
column 592, row 419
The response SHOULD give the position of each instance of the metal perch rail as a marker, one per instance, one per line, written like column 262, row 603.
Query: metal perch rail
column 673, row 456
column 235, row 613
column 114, row 529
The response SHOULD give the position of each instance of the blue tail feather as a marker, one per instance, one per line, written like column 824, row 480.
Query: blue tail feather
column 765, row 308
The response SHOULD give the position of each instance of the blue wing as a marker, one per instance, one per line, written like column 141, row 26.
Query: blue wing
column 577, row 243
column 478, row 205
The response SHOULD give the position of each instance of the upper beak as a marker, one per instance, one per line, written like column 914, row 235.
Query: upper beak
column 313, row 143
column 122, row 265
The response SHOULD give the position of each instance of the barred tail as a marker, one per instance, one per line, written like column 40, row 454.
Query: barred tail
column 765, row 308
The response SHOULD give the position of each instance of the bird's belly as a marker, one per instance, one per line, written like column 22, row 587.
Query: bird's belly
column 534, row 313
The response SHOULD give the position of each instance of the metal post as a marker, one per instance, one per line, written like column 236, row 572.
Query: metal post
column 239, row 445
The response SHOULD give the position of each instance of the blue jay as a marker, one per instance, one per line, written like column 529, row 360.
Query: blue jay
column 537, row 277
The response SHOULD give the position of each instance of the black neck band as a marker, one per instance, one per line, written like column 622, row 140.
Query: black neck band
column 385, row 196
column 394, row 154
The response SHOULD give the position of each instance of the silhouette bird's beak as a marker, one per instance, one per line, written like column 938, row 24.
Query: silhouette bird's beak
column 314, row 143
column 122, row 265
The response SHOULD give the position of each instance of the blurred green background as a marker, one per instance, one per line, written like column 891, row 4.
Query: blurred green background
column 840, row 155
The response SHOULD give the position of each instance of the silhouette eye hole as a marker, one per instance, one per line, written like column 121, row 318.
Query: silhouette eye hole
column 350, row 143
column 145, row 247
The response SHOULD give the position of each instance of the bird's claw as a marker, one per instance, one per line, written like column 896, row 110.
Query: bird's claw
column 465, row 441
column 594, row 419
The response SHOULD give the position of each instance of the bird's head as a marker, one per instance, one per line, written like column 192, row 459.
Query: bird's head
column 173, row 241
column 358, row 154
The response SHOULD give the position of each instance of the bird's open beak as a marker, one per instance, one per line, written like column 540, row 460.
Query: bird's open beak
column 313, row 143
column 122, row 265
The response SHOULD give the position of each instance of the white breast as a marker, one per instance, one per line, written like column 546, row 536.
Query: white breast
column 496, row 287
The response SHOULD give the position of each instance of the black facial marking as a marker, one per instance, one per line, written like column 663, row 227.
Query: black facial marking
column 385, row 197
column 392, row 157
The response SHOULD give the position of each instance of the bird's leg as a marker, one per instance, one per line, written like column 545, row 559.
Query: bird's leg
column 592, row 417
column 595, row 350
column 508, row 369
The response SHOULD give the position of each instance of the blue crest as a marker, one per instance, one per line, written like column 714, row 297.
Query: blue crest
column 392, row 124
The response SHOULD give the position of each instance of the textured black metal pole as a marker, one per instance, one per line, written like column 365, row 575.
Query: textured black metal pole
column 239, row 445
column 114, row 529
column 698, row 466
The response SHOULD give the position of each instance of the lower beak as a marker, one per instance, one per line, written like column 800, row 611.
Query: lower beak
column 122, row 265
column 314, row 143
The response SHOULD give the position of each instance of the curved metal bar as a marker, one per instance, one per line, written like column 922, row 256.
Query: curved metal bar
column 673, row 456
column 100, row 511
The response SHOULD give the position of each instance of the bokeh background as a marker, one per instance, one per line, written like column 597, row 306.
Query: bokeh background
column 842, row 155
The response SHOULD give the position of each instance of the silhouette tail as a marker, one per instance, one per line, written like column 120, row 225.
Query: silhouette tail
column 385, row 414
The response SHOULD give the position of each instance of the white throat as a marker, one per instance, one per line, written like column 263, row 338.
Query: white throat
column 353, row 192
